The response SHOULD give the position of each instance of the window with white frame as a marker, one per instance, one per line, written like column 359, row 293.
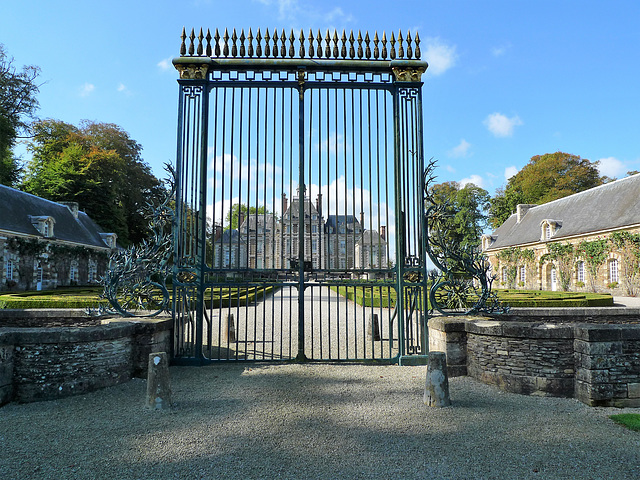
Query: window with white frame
column 504, row 275
column 613, row 271
column 73, row 272
column 547, row 231
column 580, row 271
column 9, row 270
column 522, row 274
column 91, row 274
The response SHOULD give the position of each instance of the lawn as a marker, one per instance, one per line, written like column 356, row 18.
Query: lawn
column 629, row 420
column 89, row 297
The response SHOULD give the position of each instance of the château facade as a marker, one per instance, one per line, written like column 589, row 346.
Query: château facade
column 337, row 242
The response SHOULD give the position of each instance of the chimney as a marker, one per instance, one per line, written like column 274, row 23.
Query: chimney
column 73, row 208
column 285, row 203
column 240, row 218
column 362, row 221
column 522, row 209
column 217, row 232
column 319, row 204
column 383, row 232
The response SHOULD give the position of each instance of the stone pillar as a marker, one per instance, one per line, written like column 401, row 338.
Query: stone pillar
column 436, row 389
column 229, row 329
column 373, row 329
column 158, row 382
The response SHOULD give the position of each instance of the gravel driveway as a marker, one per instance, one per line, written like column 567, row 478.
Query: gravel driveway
column 313, row 421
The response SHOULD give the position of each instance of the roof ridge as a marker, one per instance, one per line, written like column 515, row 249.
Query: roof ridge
column 604, row 185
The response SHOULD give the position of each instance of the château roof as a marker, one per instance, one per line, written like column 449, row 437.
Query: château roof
column 19, row 208
column 371, row 237
column 612, row 206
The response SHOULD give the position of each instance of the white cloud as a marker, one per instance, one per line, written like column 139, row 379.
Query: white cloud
column 510, row 172
column 440, row 56
column 500, row 50
column 500, row 125
column 165, row 64
column 87, row 89
column 461, row 150
column 122, row 88
column 611, row 167
column 477, row 180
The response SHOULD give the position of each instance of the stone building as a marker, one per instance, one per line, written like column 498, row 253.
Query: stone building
column 230, row 250
column 314, row 238
column 341, row 233
column 371, row 250
column 261, row 232
column 44, row 244
column 586, row 216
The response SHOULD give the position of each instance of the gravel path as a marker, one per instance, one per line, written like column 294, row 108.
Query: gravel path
column 313, row 421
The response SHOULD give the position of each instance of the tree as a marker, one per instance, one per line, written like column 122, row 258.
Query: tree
column 18, row 104
column 544, row 179
column 469, row 205
column 233, row 215
column 97, row 165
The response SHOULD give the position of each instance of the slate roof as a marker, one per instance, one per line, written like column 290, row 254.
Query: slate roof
column 17, row 208
column 350, row 222
column 371, row 237
column 293, row 212
column 611, row 206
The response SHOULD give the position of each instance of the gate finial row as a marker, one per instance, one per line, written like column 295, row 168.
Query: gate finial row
column 335, row 48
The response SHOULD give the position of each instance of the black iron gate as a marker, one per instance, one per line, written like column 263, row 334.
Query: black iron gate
column 299, row 199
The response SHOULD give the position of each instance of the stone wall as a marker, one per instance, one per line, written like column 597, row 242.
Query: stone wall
column 49, row 363
column 528, row 353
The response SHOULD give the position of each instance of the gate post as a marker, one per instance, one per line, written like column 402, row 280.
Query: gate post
column 189, row 235
column 411, row 265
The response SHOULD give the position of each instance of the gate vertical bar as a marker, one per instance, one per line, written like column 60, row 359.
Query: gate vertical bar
column 301, row 357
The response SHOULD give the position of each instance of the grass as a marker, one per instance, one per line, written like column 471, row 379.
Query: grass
column 386, row 297
column 89, row 297
column 629, row 420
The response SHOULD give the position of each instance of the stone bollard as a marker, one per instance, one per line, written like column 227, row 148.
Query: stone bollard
column 436, row 389
column 373, row 329
column 158, row 382
column 229, row 329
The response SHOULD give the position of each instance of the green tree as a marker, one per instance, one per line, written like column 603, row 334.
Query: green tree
column 469, row 206
column 18, row 104
column 97, row 165
column 594, row 253
column 544, row 179
column 233, row 215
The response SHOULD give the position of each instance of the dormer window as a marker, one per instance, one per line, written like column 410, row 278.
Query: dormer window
column 549, row 228
column 110, row 239
column 44, row 225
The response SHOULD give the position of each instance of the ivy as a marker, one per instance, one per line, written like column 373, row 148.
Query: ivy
column 512, row 257
column 594, row 253
column 628, row 246
column 562, row 255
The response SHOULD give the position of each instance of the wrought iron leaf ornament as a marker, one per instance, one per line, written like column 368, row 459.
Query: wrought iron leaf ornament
column 135, row 282
column 462, row 283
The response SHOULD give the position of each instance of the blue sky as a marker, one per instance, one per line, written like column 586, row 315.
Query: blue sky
column 507, row 79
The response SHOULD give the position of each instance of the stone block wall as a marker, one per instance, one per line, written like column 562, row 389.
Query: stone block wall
column 49, row 363
column 597, row 363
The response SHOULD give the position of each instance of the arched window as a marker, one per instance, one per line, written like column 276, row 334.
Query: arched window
column 613, row 271
column 73, row 272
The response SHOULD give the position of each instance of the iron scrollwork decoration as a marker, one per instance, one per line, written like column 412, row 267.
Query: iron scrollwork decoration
column 135, row 284
column 461, row 283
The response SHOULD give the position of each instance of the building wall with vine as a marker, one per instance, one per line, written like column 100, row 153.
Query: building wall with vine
column 590, row 263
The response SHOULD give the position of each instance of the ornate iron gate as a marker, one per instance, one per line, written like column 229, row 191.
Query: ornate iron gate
column 299, row 198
